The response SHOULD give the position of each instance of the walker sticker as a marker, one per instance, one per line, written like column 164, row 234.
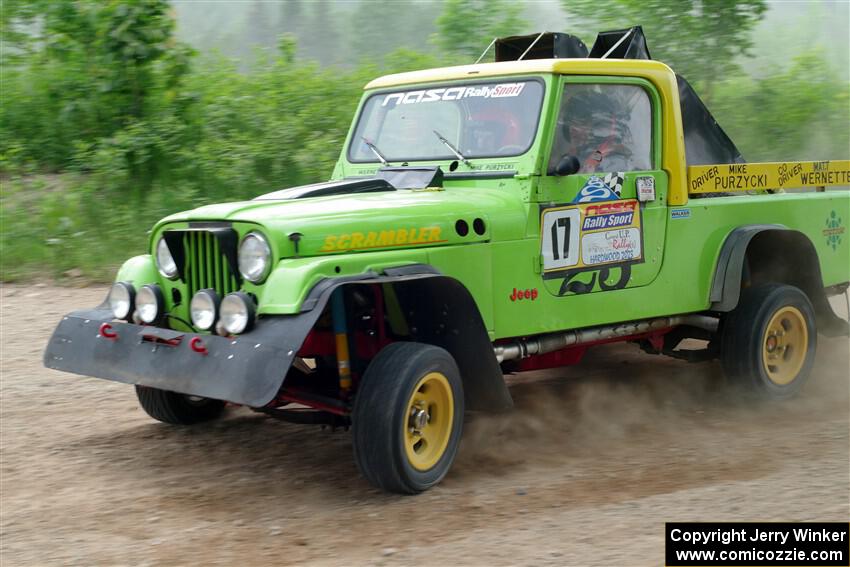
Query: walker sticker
column 597, row 188
column 680, row 213
column 502, row 90
column 581, row 237
column 833, row 231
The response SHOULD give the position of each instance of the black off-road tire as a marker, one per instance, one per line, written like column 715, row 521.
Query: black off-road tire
column 177, row 409
column 745, row 348
column 390, row 393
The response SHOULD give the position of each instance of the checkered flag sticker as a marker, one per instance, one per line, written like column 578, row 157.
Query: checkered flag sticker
column 614, row 181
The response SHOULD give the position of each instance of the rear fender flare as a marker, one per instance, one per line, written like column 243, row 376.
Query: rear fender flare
column 756, row 254
column 726, row 285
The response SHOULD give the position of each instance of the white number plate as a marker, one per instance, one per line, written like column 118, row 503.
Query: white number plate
column 560, row 245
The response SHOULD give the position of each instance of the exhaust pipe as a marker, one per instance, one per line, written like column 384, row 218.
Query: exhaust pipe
column 542, row 344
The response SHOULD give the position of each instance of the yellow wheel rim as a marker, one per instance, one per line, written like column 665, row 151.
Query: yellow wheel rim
column 785, row 345
column 428, row 421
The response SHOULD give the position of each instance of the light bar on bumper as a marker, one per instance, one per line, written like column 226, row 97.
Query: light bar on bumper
column 248, row 370
column 204, row 309
column 122, row 300
column 237, row 313
column 150, row 304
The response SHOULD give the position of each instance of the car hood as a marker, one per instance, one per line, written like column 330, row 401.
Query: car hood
column 373, row 219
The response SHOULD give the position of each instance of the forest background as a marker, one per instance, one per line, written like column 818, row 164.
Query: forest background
column 114, row 114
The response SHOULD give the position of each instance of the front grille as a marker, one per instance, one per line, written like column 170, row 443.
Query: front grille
column 206, row 265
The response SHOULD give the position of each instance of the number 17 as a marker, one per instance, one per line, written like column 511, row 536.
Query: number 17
column 565, row 223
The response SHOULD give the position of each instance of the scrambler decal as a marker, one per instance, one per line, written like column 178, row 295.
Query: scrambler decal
column 586, row 237
column 381, row 239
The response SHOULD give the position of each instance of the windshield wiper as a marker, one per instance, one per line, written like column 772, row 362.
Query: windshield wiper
column 454, row 150
column 375, row 151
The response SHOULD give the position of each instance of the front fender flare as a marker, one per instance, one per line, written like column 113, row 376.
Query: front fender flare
column 439, row 311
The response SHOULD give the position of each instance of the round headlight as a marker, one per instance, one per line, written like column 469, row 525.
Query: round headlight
column 204, row 309
column 150, row 304
column 237, row 313
column 121, row 299
column 255, row 257
column 164, row 261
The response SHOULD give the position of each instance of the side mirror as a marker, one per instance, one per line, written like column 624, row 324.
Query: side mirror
column 567, row 166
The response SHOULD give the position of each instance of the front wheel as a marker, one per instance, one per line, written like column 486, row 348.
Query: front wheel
column 177, row 409
column 408, row 417
column 769, row 340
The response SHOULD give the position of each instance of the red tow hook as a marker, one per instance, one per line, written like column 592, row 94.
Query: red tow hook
column 106, row 332
column 197, row 345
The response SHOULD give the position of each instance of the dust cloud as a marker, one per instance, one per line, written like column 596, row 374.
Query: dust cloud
column 621, row 398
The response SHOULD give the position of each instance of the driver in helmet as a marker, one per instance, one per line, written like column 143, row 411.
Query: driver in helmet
column 593, row 132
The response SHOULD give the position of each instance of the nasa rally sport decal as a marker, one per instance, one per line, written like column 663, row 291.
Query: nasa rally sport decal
column 584, row 236
column 455, row 93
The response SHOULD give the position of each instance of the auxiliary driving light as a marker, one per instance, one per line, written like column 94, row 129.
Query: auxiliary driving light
column 121, row 299
column 204, row 309
column 237, row 312
column 150, row 303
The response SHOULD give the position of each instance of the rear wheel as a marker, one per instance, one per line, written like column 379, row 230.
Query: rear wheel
column 769, row 340
column 408, row 417
column 177, row 409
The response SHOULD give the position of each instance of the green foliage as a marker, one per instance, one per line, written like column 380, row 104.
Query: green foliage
column 700, row 39
column 801, row 114
column 380, row 25
column 108, row 124
column 202, row 133
column 329, row 32
column 466, row 27
column 53, row 226
column 99, row 67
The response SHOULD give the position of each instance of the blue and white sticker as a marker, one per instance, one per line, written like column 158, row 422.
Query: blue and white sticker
column 598, row 189
column 680, row 213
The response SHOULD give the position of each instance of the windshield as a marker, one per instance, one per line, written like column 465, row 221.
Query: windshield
column 497, row 119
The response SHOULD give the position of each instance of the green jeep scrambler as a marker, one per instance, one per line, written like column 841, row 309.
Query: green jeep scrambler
column 481, row 219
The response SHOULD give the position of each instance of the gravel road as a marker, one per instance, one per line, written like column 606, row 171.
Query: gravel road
column 585, row 472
